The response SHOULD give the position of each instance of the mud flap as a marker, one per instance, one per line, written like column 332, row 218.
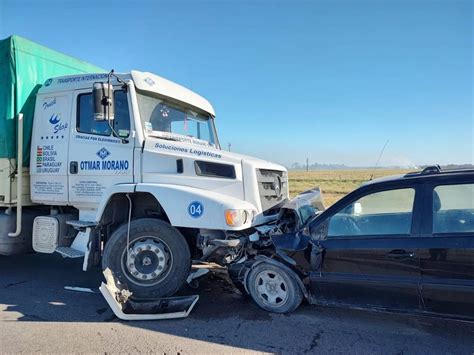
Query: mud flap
column 127, row 307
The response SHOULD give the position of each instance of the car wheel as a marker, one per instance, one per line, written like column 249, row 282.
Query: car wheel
column 156, row 262
column 274, row 288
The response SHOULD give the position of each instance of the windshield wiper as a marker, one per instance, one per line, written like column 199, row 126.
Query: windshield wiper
column 165, row 138
column 181, row 140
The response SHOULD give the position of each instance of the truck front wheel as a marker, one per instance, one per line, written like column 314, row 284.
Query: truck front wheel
column 156, row 262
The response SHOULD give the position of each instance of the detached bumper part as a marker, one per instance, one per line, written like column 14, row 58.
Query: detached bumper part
column 126, row 307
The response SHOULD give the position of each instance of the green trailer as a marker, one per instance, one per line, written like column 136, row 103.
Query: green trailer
column 24, row 67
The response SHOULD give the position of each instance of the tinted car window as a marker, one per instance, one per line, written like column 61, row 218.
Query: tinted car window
column 87, row 124
column 380, row 213
column 453, row 208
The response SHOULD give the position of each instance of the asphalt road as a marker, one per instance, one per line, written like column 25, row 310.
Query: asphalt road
column 38, row 315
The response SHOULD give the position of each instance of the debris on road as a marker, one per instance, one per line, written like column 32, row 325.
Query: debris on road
column 127, row 307
column 79, row 289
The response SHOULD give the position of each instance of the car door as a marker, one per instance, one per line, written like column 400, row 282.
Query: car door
column 369, row 251
column 100, row 153
column 447, row 248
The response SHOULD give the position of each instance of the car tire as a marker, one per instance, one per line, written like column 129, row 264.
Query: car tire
column 158, row 260
column 274, row 288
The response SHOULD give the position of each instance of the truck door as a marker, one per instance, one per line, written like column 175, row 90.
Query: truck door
column 100, row 153
column 50, row 141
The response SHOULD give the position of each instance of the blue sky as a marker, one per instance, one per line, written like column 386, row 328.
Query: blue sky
column 327, row 80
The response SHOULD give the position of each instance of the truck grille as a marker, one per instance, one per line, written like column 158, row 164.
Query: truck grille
column 272, row 187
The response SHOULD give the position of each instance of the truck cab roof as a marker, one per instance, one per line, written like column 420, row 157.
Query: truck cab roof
column 144, row 81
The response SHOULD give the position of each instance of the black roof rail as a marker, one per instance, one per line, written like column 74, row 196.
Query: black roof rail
column 429, row 170
column 436, row 169
column 433, row 169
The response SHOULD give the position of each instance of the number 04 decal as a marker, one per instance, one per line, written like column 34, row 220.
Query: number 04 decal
column 195, row 209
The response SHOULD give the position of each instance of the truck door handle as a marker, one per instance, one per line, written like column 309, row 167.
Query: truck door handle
column 73, row 167
column 400, row 254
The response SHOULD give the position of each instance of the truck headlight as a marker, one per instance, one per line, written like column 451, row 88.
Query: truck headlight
column 237, row 218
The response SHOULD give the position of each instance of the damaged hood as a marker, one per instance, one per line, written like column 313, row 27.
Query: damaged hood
column 313, row 198
column 305, row 205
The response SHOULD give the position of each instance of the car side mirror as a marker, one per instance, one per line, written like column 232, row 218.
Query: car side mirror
column 318, row 231
column 104, row 105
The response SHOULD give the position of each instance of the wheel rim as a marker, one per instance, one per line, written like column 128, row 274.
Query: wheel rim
column 148, row 262
column 271, row 288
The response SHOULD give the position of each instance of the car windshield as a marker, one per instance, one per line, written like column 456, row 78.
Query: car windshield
column 170, row 121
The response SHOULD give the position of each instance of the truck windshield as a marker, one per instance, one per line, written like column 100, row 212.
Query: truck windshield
column 167, row 120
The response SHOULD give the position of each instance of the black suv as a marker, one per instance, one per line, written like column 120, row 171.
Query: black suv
column 402, row 243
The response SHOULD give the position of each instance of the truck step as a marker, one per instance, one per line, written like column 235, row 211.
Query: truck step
column 68, row 252
column 81, row 224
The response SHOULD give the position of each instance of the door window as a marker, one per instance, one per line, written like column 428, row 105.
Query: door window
column 453, row 208
column 87, row 124
column 380, row 213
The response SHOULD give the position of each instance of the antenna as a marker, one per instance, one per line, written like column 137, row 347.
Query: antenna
column 378, row 160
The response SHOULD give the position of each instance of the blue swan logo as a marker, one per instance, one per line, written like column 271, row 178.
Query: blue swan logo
column 54, row 119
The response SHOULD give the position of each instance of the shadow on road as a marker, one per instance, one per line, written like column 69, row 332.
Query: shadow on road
column 32, row 289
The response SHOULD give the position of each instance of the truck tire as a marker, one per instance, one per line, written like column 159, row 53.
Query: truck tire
column 274, row 288
column 158, row 259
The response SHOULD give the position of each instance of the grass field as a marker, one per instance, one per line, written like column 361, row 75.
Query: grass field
column 334, row 184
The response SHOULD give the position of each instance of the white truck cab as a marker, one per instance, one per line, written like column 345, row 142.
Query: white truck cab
column 145, row 185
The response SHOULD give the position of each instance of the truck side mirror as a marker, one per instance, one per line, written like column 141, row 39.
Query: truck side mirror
column 104, row 105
